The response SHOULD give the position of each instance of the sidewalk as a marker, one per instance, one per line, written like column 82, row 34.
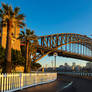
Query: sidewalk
column 55, row 86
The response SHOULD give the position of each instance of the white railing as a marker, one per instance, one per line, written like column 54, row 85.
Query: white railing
column 13, row 82
column 76, row 73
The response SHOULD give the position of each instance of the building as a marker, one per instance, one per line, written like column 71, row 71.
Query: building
column 77, row 68
column 65, row 67
column 73, row 65
column 62, row 67
column 15, row 43
column 89, row 65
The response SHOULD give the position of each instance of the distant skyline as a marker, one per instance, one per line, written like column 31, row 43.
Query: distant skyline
column 56, row 16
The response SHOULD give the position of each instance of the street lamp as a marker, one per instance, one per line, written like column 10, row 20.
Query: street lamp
column 52, row 64
column 55, row 54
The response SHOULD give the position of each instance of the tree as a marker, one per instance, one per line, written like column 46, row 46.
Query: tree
column 9, row 19
column 2, row 55
column 17, row 58
column 35, row 66
column 32, row 51
column 28, row 37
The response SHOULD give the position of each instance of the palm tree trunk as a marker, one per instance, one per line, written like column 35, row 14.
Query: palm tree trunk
column 7, row 64
column 29, row 62
column 26, row 56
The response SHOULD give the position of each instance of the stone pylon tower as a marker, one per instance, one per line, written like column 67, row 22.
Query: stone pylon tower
column 15, row 43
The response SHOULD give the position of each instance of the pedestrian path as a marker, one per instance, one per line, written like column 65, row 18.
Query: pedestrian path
column 55, row 86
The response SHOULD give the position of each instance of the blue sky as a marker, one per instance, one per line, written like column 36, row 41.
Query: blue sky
column 56, row 16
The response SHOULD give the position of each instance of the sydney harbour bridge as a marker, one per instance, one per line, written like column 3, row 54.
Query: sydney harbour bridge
column 64, row 44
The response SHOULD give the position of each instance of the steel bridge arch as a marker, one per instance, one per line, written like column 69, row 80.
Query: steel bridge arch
column 50, row 43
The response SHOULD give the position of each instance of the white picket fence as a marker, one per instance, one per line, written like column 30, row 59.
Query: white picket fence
column 13, row 82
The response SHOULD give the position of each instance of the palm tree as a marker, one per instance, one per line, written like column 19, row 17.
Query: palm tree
column 9, row 19
column 32, row 51
column 29, row 37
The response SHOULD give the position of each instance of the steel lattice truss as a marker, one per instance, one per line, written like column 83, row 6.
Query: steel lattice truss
column 65, row 44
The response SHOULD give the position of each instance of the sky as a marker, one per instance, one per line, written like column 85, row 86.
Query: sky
column 56, row 16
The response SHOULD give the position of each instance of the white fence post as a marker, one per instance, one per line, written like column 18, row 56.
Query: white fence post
column 21, row 80
column 2, row 82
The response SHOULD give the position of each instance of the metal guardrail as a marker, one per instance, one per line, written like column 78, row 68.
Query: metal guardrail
column 18, row 81
column 77, row 74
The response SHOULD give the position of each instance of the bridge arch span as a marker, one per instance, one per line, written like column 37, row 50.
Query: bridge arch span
column 68, row 42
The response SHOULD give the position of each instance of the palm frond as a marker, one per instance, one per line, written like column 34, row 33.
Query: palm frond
column 10, row 12
column 5, row 8
column 32, row 32
column 20, row 26
column 20, row 17
column 32, row 37
column 1, row 16
column 21, row 23
column 20, row 36
column 1, row 11
column 22, row 32
column 27, row 31
column 16, row 10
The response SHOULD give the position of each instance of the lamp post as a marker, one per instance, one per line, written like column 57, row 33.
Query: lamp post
column 52, row 64
column 46, row 67
column 55, row 59
column 55, row 54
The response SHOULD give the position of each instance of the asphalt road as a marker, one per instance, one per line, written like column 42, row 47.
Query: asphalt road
column 77, row 85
